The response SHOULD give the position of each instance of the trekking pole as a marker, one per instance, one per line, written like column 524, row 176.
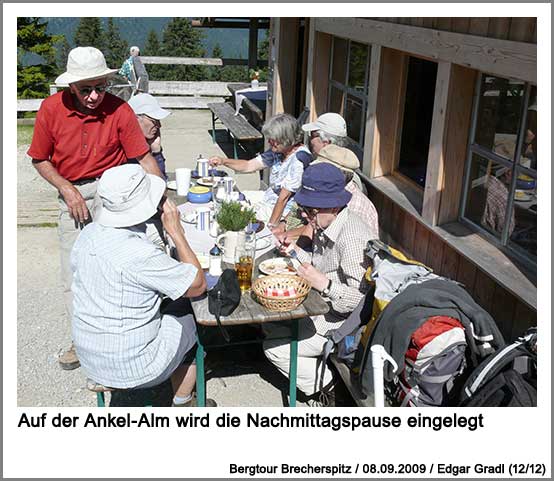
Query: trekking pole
column 378, row 358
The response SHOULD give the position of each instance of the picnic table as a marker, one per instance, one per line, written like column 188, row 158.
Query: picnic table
column 249, row 311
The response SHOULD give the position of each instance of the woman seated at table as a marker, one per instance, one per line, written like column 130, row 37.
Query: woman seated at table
column 285, row 138
column 336, row 269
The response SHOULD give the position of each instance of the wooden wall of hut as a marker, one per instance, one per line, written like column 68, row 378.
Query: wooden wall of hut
column 403, row 231
column 518, row 29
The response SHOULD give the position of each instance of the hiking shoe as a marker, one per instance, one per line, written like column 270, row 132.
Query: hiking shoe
column 324, row 398
column 68, row 360
column 193, row 403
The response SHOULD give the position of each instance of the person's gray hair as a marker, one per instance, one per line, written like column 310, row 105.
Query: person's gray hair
column 283, row 129
column 333, row 139
column 134, row 49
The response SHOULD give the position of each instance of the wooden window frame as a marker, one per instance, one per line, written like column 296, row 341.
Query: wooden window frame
column 361, row 96
column 473, row 148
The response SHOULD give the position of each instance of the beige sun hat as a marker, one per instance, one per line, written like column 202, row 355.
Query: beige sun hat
column 340, row 157
column 129, row 196
column 85, row 63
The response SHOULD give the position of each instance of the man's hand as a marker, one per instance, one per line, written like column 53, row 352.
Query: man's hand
column 156, row 145
column 76, row 204
column 171, row 220
column 316, row 278
column 215, row 161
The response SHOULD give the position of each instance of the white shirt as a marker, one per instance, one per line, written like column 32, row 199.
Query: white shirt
column 284, row 175
column 118, row 281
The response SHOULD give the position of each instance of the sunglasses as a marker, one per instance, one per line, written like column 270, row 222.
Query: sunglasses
column 156, row 122
column 99, row 89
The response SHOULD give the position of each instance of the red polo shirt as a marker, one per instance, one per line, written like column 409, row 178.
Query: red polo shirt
column 82, row 146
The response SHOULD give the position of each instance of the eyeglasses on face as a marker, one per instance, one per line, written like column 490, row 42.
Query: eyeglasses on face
column 87, row 90
column 156, row 122
column 309, row 212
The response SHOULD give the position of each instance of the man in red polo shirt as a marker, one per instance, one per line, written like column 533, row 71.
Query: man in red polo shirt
column 79, row 133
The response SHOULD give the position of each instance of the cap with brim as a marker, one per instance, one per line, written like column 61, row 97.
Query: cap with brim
column 330, row 123
column 147, row 105
column 129, row 196
column 85, row 63
column 322, row 187
column 340, row 157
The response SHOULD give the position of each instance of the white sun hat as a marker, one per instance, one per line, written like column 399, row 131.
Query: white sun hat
column 84, row 63
column 129, row 196
column 148, row 105
column 330, row 123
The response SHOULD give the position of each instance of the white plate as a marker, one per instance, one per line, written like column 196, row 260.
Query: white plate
column 277, row 265
column 172, row 184
column 204, row 259
column 205, row 181
column 523, row 196
column 263, row 243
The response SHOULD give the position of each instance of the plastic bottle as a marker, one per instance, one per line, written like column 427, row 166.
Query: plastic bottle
column 215, row 261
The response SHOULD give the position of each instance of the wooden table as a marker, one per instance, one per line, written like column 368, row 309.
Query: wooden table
column 250, row 311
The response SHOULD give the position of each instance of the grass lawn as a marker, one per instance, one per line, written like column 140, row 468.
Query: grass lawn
column 24, row 134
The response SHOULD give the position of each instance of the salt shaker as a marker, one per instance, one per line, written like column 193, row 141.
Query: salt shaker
column 215, row 261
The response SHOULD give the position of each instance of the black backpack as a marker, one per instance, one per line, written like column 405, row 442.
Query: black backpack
column 506, row 378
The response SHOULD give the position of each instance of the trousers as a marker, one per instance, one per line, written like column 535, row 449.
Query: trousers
column 310, row 349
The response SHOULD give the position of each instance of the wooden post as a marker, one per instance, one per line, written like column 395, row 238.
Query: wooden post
column 253, row 43
column 371, row 114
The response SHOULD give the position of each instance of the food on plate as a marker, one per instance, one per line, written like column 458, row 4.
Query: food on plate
column 278, row 265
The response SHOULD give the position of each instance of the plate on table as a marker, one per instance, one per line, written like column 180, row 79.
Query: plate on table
column 277, row 265
column 523, row 195
column 211, row 172
column 204, row 259
column 206, row 181
column 172, row 185
column 263, row 243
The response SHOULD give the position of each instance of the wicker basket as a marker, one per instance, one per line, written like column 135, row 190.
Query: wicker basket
column 281, row 281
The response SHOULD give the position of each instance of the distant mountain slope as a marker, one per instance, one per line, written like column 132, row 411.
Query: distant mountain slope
column 233, row 42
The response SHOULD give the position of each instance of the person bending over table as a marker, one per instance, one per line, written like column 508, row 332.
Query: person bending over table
column 336, row 268
column 359, row 204
column 285, row 138
column 123, row 337
column 80, row 133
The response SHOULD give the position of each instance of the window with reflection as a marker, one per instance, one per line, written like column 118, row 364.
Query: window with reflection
column 500, row 188
column 348, row 84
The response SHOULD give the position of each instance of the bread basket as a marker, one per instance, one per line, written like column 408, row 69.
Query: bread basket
column 281, row 281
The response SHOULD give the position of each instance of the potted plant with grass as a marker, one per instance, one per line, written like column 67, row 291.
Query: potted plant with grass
column 233, row 218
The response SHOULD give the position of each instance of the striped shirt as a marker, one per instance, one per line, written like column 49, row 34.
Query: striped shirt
column 338, row 252
column 119, row 278
column 361, row 206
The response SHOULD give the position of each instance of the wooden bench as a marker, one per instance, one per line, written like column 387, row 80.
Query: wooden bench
column 237, row 127
column 352, row 383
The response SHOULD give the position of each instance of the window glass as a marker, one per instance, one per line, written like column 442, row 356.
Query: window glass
column 528, row 156
column 418, row 117
column 336, row 100
column 340, row 57
column 358, row 61
column 354, row 117
column 487, row 199
column 499, row 115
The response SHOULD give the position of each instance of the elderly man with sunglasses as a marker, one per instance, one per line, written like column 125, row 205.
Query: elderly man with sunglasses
column 336, row 268
column 79, row 134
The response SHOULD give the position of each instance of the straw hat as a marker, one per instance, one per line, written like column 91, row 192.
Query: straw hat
column 340, row 157
column 84, row 63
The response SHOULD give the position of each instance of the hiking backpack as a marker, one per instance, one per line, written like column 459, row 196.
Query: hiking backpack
column 506, row 378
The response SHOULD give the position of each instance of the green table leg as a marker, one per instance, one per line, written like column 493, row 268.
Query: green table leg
column 213, row 127
column 235, row 148
column 200, row 377
column 293, row 363
column 100, row 400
